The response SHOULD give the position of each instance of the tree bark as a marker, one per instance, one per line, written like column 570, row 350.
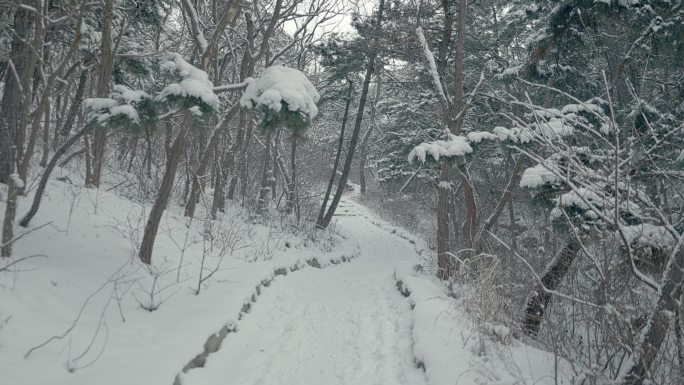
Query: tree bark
column 539, row 298
column 105, row 75
column 363, row 155
column 336, row 162
column 659, row 321
column 16, row 91
column 46, row 176
column 175, row 155
column 454, row 121
column 10, row 211
column 267, row 176
column 204, row 160
column 445, row 261
column 292, row 194
column 357, row 124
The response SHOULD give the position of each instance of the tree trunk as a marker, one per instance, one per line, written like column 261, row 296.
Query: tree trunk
column 10, row 211
column 106, row 67
column 659, row 321
column 445, row 261
column 336, row 162
column 357, row 124
column 204, row 160
column 267, row 176
column 239, row 150
column 46, row 137
column 75, row 104
column 46, row 176
column 539, row 298
column 175, row 155
column 292, row 195
column 363, row 155
column 16, row 91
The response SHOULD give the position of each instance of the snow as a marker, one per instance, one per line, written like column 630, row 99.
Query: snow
column 278, row 85
column 121, row 104
column 649, row 236
column 101, row 110
column 432, row 67
column 195, row 82
column 478, row 136
column 18, row 182
column 128, row 95
column 581, row 197
column 286, row 321
column 454, row 146
column 92, row 248
column 537, row 176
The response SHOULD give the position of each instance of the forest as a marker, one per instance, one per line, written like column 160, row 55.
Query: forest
column 470, row 192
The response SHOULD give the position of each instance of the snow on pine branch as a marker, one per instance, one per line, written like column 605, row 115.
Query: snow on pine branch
column 194, row 84
column 454, row 146
column 538, row 176
column 432, row 66
column 648, row 237
column 281, row 86
column 122, row 107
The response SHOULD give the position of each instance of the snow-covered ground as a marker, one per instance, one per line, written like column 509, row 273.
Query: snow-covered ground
column 278, row 318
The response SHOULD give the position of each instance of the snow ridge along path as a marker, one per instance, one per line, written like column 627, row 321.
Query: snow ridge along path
column 343, row 325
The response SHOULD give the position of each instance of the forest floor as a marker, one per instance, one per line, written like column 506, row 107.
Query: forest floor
column 347, row 307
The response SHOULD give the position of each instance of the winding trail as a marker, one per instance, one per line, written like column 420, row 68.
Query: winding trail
column 342, row 325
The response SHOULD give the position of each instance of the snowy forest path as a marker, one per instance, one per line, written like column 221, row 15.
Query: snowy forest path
column 344, row 325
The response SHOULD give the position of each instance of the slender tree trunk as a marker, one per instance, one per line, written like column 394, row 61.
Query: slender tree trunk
column 292, row 195
column 539, row 298
column 105, row 75
column 363, row 154
column 10, row 211
column 236, row 151
column 46, row 137
column 445, row 261
column 357, row 124
column 267, row 177
column 206, row 158
column 336, row 162
column 175, row 155
column 75, row 104
column 46, row 176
